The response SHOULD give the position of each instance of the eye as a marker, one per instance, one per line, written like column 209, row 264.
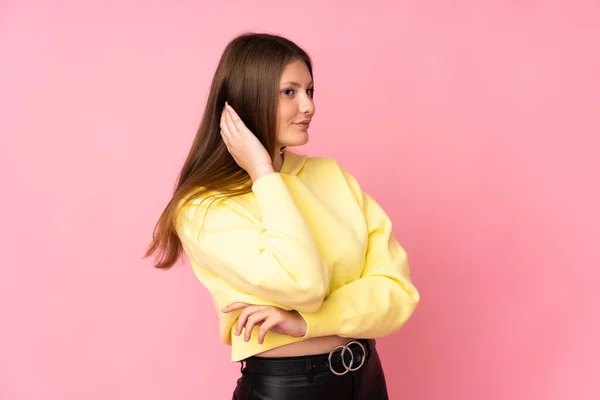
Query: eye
column 288, row 92
column 311, row 92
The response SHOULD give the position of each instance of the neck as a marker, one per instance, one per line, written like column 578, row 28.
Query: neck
column 278, row 161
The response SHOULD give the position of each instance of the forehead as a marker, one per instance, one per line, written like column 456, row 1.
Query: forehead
column 296, row 71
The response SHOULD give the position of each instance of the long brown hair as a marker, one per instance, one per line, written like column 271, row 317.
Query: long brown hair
column 247, row 77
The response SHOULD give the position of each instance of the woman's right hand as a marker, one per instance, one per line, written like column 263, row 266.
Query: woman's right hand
column 269, row 318
column 245, row 148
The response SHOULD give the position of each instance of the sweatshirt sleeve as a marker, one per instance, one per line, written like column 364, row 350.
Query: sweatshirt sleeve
column 276, row 258
column 383, row 298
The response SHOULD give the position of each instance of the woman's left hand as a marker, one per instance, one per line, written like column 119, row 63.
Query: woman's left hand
column 269, row 318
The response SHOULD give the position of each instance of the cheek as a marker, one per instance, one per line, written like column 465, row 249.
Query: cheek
column 287, row 112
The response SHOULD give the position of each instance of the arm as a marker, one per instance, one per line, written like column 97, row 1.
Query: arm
column 383, row 298
column 276, row 259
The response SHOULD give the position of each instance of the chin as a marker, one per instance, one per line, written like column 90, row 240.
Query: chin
column 295, row 140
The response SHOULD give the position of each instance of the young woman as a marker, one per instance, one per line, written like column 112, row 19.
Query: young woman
column 301, row 264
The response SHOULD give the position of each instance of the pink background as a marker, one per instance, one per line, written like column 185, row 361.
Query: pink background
column 475, row 126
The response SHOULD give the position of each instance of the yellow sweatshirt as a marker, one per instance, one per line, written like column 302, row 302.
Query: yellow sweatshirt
column 306, row 238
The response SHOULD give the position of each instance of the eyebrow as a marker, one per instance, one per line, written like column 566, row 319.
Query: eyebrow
column 296, row 84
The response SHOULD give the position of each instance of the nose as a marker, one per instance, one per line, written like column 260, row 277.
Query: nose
column 307, row 106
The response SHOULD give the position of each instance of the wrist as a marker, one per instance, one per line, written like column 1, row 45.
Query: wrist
column 303, row 325
column 260, row 170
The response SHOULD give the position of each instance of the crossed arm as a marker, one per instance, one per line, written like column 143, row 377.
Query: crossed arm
column 280, row 262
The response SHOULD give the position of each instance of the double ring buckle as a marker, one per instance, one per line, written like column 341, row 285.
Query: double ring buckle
column 348, row 368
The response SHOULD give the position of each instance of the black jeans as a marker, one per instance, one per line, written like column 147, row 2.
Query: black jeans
column 309, row 377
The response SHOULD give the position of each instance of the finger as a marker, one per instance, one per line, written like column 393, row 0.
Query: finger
column 235, row 118
column 244, row 315
column 234, row 306
column 225, row 139
column 233, row 131
column 223, row 124
column 242, row 319
column 266, row 326
column 253, row 320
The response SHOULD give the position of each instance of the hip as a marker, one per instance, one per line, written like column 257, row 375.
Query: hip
column 349, row 371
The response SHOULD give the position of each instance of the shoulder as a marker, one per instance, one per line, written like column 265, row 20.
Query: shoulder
column 329, row 174
column 331, row 167
column 301, row 164
column 211, row 214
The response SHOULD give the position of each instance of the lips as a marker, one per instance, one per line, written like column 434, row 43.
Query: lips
column 303, row 124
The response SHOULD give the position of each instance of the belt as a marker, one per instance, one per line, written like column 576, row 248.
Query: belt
column 341, row 360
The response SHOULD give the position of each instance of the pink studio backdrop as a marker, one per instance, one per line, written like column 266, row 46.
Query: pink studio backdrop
column 475, row 126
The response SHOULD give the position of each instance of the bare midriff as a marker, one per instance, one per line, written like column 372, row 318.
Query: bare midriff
column 312, row 346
